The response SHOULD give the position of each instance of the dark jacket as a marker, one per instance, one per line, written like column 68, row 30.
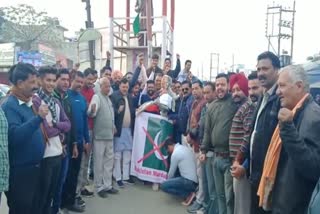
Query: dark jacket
column 299, row 163
column 266, row 125
column 183, row 114
column 314, row 206
column 174, row 73
column 118, row 100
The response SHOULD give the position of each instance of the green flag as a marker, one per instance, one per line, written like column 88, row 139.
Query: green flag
column 136, row 25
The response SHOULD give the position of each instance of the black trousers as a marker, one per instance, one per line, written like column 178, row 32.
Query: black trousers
column 49, row 177
column 70, row 185
column 23, row 185
column 255, row 209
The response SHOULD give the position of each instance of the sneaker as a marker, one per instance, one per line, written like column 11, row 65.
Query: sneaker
column 76, row 208
column 194, row 207
column 103, row 194
column 201, row 211
column 129, row 181
column 79, row 201
column 189, row 199
column 120, row 184
column 86, row 193
column 112, row 191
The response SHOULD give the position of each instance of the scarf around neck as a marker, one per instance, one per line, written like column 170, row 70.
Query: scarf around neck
column 49, row 100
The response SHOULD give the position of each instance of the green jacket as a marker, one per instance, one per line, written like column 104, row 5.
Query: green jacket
column 218, row 124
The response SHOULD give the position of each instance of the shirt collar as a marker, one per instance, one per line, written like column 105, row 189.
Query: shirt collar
column 29, row 103
column 271, row 90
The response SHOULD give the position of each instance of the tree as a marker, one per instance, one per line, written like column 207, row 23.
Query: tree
column 24, row 25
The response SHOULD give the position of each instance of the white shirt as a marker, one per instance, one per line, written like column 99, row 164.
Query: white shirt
column 183, row 159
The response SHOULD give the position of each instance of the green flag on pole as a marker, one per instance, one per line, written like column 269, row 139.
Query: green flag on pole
column 136, row 25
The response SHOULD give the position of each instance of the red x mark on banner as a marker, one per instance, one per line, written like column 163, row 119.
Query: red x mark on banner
column 156, row 148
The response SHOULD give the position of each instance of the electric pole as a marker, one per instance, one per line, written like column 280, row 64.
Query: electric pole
column 280, row 31
column 211, row 64
column 89, row 24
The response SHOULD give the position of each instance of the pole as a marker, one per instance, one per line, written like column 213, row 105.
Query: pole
column 111, row 32
column 218, row 64
column 210, row 66
column 149, row 28
column 279, row 36
column 164, row 31
column 128, row 16
column 292, row 29
column 232, row 62
column 91, row 43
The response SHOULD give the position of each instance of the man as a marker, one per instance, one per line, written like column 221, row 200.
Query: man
column 154, row 68
column 124, row 121
column 298, row 169
column 167, row 67
column 265, row 122
column 4, row 157
column 210, row 203
column 181, row 117
column 157, row 82
column 79, row 115
column 102, row 111
column 116, row 78
column 193, row 138
column 186, row 74
column 239, row 134
column 104, row 72
column 25, row 139
column 216, row 135
column 88, row 92
column 182, row 160
column 150, row 96
column 55, row 125
column 69, row 143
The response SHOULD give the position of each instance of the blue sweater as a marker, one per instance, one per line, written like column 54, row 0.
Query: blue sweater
column 79, row 113
column 25, row 139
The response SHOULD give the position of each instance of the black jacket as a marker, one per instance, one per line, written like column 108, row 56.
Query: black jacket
column 266, row 125
column 299, row 164
column 118, row 100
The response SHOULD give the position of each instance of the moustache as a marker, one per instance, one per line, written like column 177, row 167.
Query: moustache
column 151, row 92
column 262, row 77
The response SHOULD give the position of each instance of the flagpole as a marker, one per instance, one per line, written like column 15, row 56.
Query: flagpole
column 149, row 30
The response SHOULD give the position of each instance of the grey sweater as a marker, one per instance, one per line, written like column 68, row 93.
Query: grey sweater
column 103, row 117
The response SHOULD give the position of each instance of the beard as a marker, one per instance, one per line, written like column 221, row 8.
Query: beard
column 150, row 92
column 254, row 98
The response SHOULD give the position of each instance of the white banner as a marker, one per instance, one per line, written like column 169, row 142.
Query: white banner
column 149, row 158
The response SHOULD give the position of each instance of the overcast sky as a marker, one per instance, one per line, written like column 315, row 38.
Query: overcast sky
column 227, row 27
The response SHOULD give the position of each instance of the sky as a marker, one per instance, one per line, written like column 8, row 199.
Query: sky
column 230, row 27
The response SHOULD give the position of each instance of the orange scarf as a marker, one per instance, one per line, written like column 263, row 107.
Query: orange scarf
column 271, row 164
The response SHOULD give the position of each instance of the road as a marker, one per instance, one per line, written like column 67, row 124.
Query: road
column 136, row 199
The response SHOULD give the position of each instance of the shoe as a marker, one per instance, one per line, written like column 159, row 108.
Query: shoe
column 201, row 211
column 129, row 181
column 120, row 184
column 79, row 201
column 194, row 207
column 76, row 208
column 86, row 193
column 189, row 199
column 103, row 194
column 112, row 191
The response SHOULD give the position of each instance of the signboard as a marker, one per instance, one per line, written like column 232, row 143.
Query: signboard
column 31, row 57
column 7, row 54
column 48, row 55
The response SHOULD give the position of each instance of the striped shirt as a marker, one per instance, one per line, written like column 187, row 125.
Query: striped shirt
column 240, row 129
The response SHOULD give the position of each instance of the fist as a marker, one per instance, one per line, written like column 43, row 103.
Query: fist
column 108, row 55
column 237, row 171
column 121, row 108
column 93, row 108
column 202, row 157
column 43, row 110
column 285, row 115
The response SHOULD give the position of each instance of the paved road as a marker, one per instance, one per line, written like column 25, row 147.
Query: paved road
column 136, row 199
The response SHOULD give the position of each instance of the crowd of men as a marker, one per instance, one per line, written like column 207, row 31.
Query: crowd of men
column 240, row 145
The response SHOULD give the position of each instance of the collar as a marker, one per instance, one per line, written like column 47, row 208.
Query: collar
column 271, row 90
column 29, row 103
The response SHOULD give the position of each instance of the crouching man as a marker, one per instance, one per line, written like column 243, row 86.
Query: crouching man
column 183, row 163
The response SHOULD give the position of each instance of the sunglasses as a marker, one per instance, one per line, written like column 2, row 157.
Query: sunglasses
column 185, row 89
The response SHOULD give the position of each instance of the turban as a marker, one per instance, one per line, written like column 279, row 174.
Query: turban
column 242, row 82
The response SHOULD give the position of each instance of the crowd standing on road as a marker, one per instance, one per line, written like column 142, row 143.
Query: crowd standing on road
column 241, row 144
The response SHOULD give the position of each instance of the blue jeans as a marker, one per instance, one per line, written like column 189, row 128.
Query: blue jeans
column 63, row 175
column 224, row 184
column 210, row 194
column 178, row 186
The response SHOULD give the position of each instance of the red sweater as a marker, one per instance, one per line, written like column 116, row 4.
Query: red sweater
column 88, row 94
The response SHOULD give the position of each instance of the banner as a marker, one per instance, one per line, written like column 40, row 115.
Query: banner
column 149, row 158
